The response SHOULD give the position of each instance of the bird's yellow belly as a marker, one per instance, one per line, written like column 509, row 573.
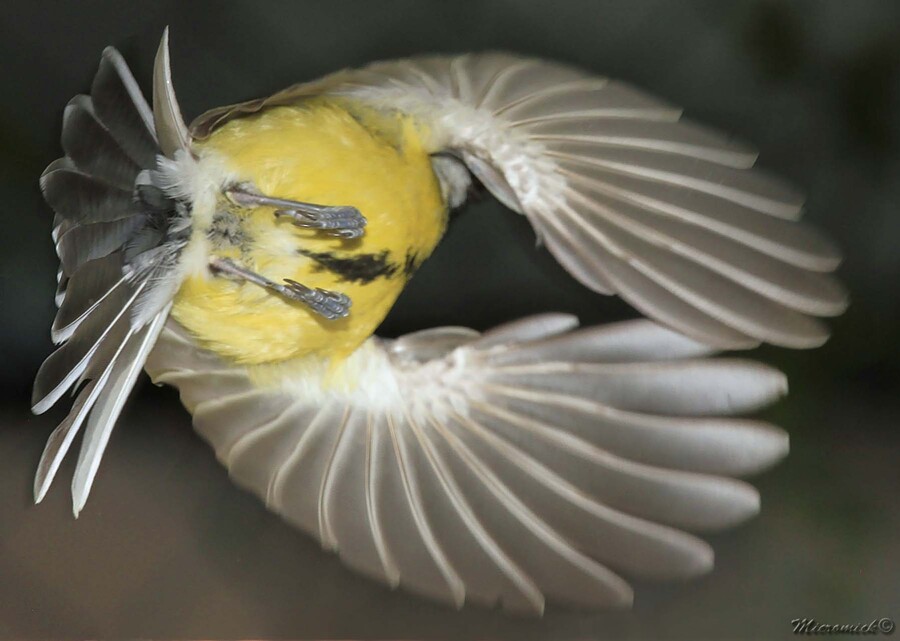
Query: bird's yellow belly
column 325, row 153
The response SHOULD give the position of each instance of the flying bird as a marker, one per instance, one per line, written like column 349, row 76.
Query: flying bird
column 248, row 259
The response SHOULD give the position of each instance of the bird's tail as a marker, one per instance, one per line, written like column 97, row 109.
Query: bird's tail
column 118, row 236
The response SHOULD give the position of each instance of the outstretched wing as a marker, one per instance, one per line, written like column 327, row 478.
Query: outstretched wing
column 626, row 194
column 118, row 236
column 532, row 461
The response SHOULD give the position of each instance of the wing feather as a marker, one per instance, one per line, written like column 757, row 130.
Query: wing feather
column 61, row 440
column 612, row 343
column 589, row 266
column 558, row 144
column 296, row 493
column 349, row 504
column 644, row 293
column 711, row 445
column 605, row 100
column 534, row 461
column 679, row 139
column 564, row 572
column 404, row 448
column 487, row 570
column 252, row 457
column 795, row 244
column 94, row 337
column 719, row 296
column 325, row 531
column 527, row 330
column 84, row 243
column 788, row 284
column 575, row 470
column 589, row 520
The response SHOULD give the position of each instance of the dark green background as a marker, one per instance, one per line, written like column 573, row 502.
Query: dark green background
column 168, row 547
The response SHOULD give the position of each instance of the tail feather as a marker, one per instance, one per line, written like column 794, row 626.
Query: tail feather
column 92, row 147
column 84, row 243
column 61, row 440
column 85, row 292
column 61, row 370
column 121, row 107
column 81, row 198
column 116, row 382
column 118, row 237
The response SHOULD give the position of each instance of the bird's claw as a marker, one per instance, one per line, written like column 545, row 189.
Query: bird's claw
column 331, row 305
column 342, row 221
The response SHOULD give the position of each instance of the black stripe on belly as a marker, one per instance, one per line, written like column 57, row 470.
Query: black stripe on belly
column 411, row 264
column 360, row 268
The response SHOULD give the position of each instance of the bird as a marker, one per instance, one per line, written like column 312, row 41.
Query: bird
column 248, row 260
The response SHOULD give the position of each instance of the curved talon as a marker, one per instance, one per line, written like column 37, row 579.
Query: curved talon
column 331, row 305
column 343, row 221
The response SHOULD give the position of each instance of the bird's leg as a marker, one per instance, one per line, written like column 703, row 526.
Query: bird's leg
column 342, row 221
column 331, row 305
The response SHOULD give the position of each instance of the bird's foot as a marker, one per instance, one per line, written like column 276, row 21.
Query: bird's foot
column 342, row 221
column 326, row 303
column 331, row 305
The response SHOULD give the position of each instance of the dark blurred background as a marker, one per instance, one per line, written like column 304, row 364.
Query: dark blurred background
column 168, row 547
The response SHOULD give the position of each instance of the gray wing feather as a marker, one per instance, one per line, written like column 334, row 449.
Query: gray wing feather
column 561, row 570
column 411, row 540
column 349, row 502
column 171, row 131
column 794, row 244
column 296, row 490
column 598, row 98
column 485, row 567
column 527, row 330
column 534, row 461
column 627, row 195
column 732, row 301
column 592, row 520
column 612, row 343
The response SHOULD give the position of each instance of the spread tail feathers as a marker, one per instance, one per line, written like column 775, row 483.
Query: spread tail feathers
column 118, row 236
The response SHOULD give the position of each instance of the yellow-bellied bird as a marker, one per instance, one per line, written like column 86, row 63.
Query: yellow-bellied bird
column 247, row 260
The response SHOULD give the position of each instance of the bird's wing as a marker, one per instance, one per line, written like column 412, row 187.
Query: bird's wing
column 118, row 235
column 626, row 194
column 534, row 460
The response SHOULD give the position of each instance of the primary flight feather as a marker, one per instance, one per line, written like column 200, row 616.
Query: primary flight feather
column 248, row 259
